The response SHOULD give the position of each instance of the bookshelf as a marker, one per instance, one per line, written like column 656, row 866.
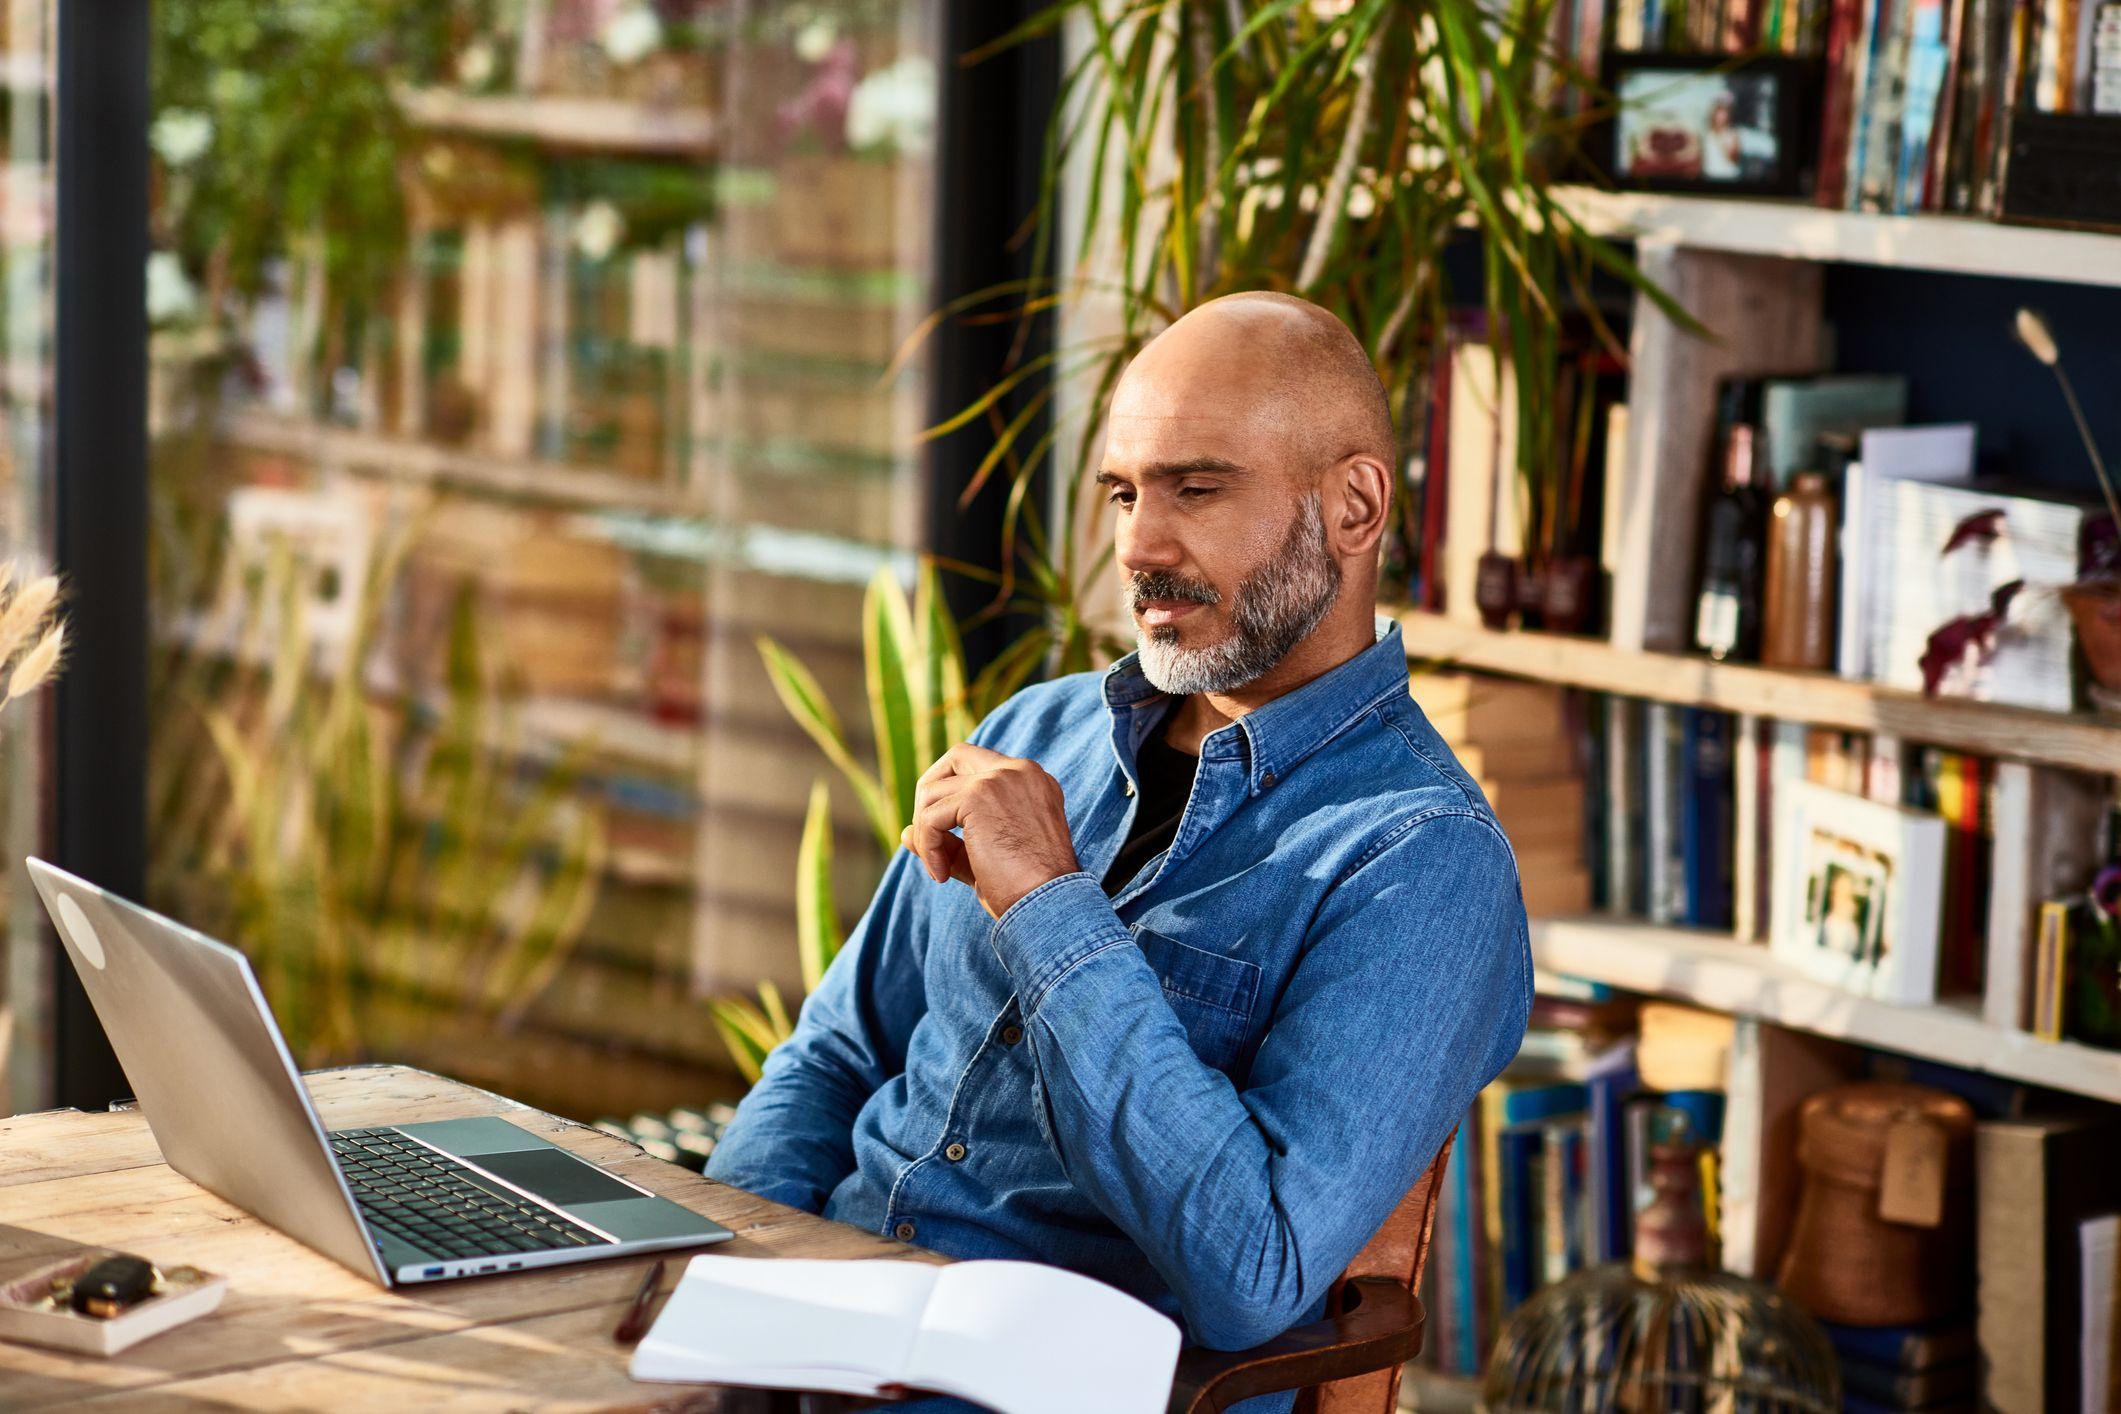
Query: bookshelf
column 1797, row 230
column 2080, row 741
column 1668, row 807
column 565, row 122
column 1716, row 971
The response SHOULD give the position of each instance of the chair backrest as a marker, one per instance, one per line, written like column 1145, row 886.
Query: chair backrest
column 1397, row 1253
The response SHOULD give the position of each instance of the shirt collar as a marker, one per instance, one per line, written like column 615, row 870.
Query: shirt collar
column 1279, row 734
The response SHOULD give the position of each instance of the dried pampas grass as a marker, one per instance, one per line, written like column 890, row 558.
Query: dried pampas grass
column 32, row 637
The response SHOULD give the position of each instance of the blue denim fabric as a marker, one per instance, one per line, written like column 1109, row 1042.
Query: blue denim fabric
column 1209, row 1090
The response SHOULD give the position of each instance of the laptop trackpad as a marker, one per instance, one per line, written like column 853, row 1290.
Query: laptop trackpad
column 554, row 1175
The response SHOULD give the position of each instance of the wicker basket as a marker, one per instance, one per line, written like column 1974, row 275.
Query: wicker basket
column 1848, row 1263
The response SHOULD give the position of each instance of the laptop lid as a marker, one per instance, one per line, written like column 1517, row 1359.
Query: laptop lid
column 208, row 1065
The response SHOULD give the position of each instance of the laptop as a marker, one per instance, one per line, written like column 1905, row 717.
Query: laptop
column 397, row 1202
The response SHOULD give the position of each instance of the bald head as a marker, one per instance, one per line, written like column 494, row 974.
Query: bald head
column 1286, row 369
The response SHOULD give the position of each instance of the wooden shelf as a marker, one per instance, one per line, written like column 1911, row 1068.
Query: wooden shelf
column 1795, row 230
column 556, row 121
column 407, row 459
column 2082, row 741
column 1716, row 971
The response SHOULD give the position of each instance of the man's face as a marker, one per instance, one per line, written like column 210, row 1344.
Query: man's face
column 1220, row 540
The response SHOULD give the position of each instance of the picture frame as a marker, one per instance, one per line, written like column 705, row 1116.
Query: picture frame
column 1858, row 892
column 1710, row 124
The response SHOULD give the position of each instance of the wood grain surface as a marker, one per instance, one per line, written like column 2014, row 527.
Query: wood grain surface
column 298, row 1331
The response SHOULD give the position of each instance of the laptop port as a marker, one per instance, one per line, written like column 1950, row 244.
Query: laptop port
column 513, row 1265
column 431, row 1272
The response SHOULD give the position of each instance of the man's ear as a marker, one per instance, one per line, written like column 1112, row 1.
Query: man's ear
column 1365, row 499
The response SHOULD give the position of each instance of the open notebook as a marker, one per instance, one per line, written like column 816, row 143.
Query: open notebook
column 1015, row 1336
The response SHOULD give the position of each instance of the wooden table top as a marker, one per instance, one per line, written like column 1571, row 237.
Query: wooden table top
column 297, row 1330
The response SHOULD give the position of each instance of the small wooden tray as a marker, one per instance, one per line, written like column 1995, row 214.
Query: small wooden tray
column 31, row 1261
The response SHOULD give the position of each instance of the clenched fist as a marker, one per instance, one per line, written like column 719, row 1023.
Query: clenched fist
column 1013, row 818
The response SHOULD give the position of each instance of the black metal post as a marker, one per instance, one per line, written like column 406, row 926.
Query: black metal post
column 100, row 488
column 991, row 140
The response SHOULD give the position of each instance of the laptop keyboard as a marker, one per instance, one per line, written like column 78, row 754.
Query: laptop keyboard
column 428, row 1200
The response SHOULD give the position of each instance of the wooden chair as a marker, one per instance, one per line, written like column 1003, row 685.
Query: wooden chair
column 1350, row 1362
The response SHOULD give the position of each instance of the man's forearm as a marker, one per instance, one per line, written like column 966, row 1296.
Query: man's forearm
column 793, row 1136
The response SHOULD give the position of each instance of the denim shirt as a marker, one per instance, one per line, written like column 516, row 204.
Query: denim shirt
column 1210, row 1089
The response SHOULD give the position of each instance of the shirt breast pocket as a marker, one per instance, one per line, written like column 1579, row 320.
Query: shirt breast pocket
column 1212, row 995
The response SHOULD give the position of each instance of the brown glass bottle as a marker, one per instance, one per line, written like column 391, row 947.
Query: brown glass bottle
column 1798, row 631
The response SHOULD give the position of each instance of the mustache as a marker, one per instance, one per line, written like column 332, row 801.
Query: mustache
column 1162, row 584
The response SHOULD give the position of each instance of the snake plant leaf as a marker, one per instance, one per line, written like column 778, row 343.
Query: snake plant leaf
column 805, row 700
column 947, row 719
column 889, row 654
column 746, row 1033
column 817, row 923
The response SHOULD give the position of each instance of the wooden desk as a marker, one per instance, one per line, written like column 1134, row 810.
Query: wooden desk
column 299, row 1331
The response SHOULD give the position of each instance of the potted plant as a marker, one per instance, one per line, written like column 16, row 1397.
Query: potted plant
column 2094, row 601
column 1329, row 151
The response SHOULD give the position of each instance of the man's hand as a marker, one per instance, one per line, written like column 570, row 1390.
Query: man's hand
column 1014, row 822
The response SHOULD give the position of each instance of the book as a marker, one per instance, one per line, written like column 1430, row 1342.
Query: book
column 2047, row 841
column 2099, row 1260
column 2051, row 943
column 1466, row 1174
column 1887, row 454
column 1017, row 1336
column 2036, row 1179
column 1664, row 755
column 1796, row 412
column 1836, row 114
column 1908, row 1348
column 1611, row 1081
column 1883, row 1387
column 1916, row 586
column 1521, row 1184
column 1705, row 818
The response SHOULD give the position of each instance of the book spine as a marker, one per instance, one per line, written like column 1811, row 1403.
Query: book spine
column 1706, row 819
column 1863, row 41
column 1519, row 1153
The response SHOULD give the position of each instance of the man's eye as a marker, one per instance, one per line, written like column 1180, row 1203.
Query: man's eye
column 1120, row 498
column 1195, row 492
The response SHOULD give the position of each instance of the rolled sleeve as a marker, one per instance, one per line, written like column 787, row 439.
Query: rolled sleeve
column 1051, row 931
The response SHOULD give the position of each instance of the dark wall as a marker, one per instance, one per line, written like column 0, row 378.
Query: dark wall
column 1951, row 336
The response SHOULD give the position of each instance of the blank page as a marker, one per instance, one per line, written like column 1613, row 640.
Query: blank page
column 1031, row 1339
column 746, row 1320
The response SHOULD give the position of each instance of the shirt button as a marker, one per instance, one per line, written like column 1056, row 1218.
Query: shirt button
column 903, row 1232
column 1011, row 1034
column 1126, row 787
column 954, row 1152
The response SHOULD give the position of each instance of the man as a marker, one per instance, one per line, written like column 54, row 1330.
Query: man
column 1188, row 968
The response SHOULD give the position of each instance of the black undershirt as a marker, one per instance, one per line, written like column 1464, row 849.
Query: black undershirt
column 1166, row 781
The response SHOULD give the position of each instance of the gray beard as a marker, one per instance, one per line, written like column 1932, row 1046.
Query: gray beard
column 1278, row 605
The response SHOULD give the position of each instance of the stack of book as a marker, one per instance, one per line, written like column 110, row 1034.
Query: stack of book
column 1936, row 1367
column 1516, row 740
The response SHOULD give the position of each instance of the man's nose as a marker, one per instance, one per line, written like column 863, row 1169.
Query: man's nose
column 1145, row 540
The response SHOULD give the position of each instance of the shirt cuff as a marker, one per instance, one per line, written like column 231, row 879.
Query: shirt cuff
column 1049, row 931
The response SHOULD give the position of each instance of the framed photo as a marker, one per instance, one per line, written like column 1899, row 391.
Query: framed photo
column 1710, row 124
column 1858, row 892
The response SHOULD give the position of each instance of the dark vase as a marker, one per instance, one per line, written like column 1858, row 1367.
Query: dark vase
column 1567, row 604
column 1495, row 589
